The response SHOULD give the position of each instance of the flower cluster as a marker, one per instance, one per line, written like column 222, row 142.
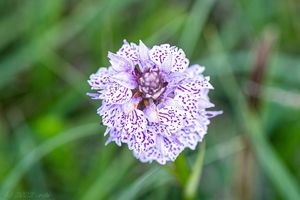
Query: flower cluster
column 152, row 101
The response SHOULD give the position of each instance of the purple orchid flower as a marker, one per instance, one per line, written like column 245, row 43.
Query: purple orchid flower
column 152, row 101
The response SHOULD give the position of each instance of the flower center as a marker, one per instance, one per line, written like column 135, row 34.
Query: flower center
column 151, row 85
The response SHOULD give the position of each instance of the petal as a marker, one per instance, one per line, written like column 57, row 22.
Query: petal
column 195, row 70
column 131, row 105
column 150, row 138
column 130, row 52
column 166, row 65
column 135, row 121
column 171, row 117
column 172, row 148
column 189, row 105
column 204, row 103
column 134, row 131
column 136, row 143
column 100, row 79
column 151, row 154
column 167, row 101
column 190, row 139
column 159, row 129
column 117, row 94
column 141, row 141
column 143, row 52
column 181, row 62
column 158, row 54
column 211, row 114
column 114, row 136
column 120, row 63
column 154, row 152
column 175, row 78
column 194, row 86
column 126, row 79
column 165, row 149
column 110, row 115
column 145, row 62
column 95, row 95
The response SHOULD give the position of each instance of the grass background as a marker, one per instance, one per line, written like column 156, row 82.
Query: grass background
column 51, row 140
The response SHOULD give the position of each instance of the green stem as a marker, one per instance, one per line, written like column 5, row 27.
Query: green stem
column 181, row 170
column 194, row 178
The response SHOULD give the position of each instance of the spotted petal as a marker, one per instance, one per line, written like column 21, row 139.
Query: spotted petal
column 110, row 115
column 129, row 51
column 171, row 117
column 153, row 153
column 190, row 139
column 194, row 86
column 100, row 79
column 134, row 131
column 158, row 54
column 189, row 105
column 165, row 149
column 135, row 121
column 172, row 147
column 117, row 94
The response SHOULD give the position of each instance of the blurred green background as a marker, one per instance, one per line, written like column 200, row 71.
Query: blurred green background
column 51, row 140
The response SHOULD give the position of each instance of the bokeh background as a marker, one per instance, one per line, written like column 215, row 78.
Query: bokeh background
column 51, row 140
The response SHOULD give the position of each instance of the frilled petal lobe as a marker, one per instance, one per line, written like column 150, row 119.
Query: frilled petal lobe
column 189, row 138
column 134, row 131
column 117, row 94
column 100, row 79
column 114, row 136
column 110, row 115
column 194, row 86
column 130, row 52
column 189, row 105
column 165, row 149
column 172, row 117
column 158, row 54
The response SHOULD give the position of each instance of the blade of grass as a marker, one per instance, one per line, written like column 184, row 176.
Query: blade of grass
column 110, row 178
column 194, row 25
column 25, row 143
column 147, row 182
column 40, row 151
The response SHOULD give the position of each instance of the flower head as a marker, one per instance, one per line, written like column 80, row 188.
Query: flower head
column 152, row 101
